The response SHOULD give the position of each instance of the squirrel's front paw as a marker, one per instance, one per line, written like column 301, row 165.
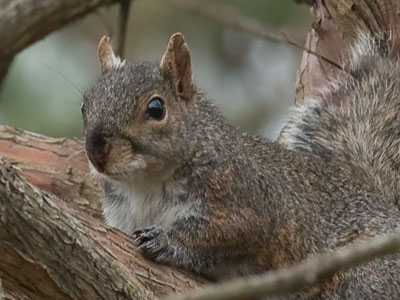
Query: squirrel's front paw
column 153, row 243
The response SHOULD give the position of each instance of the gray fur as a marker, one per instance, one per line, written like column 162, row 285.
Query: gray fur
column 201, row 196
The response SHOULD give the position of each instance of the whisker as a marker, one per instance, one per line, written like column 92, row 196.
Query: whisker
column 73, row 84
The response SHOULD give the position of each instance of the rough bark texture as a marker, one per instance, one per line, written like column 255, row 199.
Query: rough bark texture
column 53, row 242
column 57, row 166
column 333, row 32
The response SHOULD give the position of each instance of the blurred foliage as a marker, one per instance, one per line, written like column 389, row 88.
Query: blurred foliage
column 250, row 79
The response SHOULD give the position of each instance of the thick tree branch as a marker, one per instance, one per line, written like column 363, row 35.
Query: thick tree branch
column 26, row 21
column 52, row 248
column 58, row 166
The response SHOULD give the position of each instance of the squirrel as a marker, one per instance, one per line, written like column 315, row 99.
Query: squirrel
column 197, row 194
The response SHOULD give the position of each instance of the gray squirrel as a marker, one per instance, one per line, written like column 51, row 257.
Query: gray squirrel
column 197, row 194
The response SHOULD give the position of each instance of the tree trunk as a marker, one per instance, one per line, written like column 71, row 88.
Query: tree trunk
column 334, row 31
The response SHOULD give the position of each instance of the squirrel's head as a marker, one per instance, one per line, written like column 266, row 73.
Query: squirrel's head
column 135, row 117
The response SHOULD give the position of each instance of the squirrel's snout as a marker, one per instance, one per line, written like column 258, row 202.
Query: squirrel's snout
column 98, row 149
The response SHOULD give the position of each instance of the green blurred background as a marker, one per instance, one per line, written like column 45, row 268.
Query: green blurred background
column 250, row 79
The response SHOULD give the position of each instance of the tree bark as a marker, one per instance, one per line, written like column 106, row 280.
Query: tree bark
column 23, row 22
column 334, row 31
column 53, row 242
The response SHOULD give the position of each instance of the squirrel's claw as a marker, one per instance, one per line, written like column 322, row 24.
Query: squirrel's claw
column 153, row 243
column 146, row 234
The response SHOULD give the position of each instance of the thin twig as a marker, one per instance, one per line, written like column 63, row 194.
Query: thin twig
column 308, row 2
column 230, row 17
column 105, row 22
column 298, row 276
column 122, row 26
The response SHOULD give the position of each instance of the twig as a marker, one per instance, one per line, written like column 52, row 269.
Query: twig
column 106, row 23
column 230, row 17
column 308, row 2
column 4, row 65
column 298, row 276
column 122, row 26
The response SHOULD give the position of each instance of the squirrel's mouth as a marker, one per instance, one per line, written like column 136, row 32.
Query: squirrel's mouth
column 93, row 165
column 111, row 156
column 125, row 169
column 118, row 159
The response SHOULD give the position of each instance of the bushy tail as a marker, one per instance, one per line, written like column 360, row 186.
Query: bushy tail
column 357, row 123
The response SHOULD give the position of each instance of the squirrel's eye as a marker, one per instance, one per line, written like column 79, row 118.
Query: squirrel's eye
column 156, row 109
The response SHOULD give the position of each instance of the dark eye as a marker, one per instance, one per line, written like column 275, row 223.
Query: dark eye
column 156, row 109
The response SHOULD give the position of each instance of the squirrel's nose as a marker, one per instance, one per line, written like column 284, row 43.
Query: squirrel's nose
column 98, row 149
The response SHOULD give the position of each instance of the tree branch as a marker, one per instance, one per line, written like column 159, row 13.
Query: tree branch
column 52, row 248
column 298, row 276
column 24, row 22
column 57, row 166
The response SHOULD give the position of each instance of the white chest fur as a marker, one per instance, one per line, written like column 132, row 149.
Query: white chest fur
column 129, row 207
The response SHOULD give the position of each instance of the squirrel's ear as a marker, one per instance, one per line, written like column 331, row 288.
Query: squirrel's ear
column 176, row 61
column 105, row 53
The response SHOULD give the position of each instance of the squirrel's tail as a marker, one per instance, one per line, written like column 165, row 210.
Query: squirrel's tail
column 357, row 123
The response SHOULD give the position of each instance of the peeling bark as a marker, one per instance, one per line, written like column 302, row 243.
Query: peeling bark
column 59, row 248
